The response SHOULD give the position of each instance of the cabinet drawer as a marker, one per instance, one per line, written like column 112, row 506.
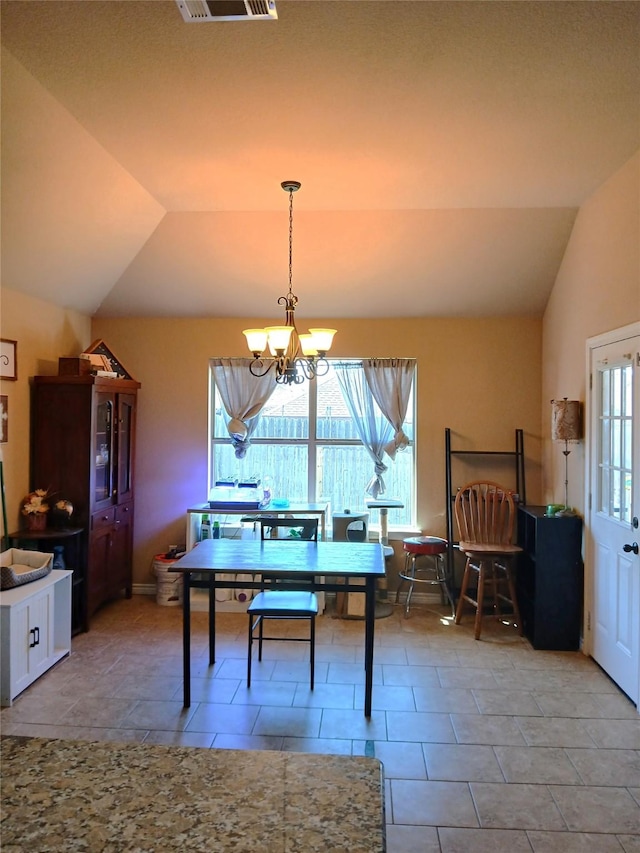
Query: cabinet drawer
column 124, row 513
column 104, row 518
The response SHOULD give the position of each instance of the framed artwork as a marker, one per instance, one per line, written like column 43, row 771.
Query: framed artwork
column 4, row 419
column 8, row 359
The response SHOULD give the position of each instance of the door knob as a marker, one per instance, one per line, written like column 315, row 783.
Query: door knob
column 627, row 548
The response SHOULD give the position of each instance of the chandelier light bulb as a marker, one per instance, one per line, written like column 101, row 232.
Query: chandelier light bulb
column 256, row 340
column 322, row 338
column 307, row 345
column 278, row 338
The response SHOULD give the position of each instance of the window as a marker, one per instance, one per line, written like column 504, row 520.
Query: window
column 307, row 449
column 615, row 452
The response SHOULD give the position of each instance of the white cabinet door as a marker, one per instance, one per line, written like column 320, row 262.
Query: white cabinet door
column 40, row 634
column 30, row 639
column 35, row 631
column 17, row 621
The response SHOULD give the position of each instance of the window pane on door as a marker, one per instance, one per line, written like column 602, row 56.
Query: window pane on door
column 615, row 445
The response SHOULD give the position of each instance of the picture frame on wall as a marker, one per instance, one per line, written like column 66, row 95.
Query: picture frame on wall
column 8, row 360
column 4, row 419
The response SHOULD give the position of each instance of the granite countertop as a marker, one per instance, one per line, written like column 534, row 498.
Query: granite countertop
column 61, row 795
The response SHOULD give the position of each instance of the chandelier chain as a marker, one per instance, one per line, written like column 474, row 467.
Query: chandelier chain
column 290, row 239
column 291, row 361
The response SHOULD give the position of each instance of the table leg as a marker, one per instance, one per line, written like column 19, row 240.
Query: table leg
column 369, row 622
column 212, row 619
column 186, row 639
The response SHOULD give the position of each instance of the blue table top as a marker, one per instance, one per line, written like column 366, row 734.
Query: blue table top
column 339, row 559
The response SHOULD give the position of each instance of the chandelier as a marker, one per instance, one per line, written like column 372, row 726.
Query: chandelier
column 294, row 357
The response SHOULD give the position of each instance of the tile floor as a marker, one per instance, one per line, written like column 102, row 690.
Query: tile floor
column 487, row 745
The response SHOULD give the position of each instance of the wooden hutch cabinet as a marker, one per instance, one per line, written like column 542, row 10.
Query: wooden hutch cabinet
column 82, row 450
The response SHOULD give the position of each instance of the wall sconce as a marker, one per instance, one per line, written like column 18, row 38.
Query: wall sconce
column 566, row 425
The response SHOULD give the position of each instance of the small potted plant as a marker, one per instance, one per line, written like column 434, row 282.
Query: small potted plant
column 35, row 507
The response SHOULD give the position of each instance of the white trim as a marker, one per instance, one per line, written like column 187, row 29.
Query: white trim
column 612, row 337
column 143, row 589
column 604, row 339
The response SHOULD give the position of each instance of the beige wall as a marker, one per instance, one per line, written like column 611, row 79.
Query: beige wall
column 597, row 289
column 44, row 332
column 481, row 378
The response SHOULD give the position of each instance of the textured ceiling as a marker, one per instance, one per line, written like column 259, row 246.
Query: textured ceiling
column 443, row 150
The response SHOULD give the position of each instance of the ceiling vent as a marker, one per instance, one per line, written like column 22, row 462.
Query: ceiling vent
column 195, row 11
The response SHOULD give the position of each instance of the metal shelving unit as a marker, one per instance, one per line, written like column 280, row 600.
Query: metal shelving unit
column 518, row 460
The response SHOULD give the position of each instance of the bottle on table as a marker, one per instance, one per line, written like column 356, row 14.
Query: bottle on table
column 205, row 528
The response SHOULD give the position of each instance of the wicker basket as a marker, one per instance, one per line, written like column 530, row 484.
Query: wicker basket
column 18, row 567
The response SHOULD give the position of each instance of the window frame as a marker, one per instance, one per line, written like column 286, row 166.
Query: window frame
column 313, row 443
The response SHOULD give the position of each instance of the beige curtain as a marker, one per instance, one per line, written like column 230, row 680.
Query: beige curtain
column 243, row 396
column 390, row 382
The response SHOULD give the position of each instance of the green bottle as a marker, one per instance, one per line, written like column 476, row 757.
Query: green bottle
column 205, row 528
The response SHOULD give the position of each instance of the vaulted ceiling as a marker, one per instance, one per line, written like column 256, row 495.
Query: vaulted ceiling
column 443, row 148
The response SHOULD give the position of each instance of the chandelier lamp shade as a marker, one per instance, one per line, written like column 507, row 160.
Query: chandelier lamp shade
column 294, row 357
column 566, row 425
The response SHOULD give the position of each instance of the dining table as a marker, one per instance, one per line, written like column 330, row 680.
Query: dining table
column 327, row 566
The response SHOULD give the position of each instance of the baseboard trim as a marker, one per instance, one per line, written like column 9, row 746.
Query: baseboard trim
column 143, row 589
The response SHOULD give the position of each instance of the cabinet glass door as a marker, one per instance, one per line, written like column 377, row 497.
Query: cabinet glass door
column 103, row 449
column 126, row 409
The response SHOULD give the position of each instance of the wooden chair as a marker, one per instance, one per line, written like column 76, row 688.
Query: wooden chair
column 273, row 603
column 485, row 516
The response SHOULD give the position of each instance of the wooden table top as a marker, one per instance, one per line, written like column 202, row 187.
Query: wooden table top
column 340, row 559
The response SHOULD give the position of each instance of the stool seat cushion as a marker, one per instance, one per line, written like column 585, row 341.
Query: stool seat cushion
column 425, row 545
column 488, row 549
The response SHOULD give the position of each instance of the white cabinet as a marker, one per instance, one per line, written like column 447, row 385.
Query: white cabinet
column 239, row 523
column 35, row 631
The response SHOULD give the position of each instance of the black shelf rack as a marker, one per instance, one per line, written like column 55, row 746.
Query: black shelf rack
column 518, row 460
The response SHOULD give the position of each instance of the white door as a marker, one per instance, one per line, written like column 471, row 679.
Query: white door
column 614, row 510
